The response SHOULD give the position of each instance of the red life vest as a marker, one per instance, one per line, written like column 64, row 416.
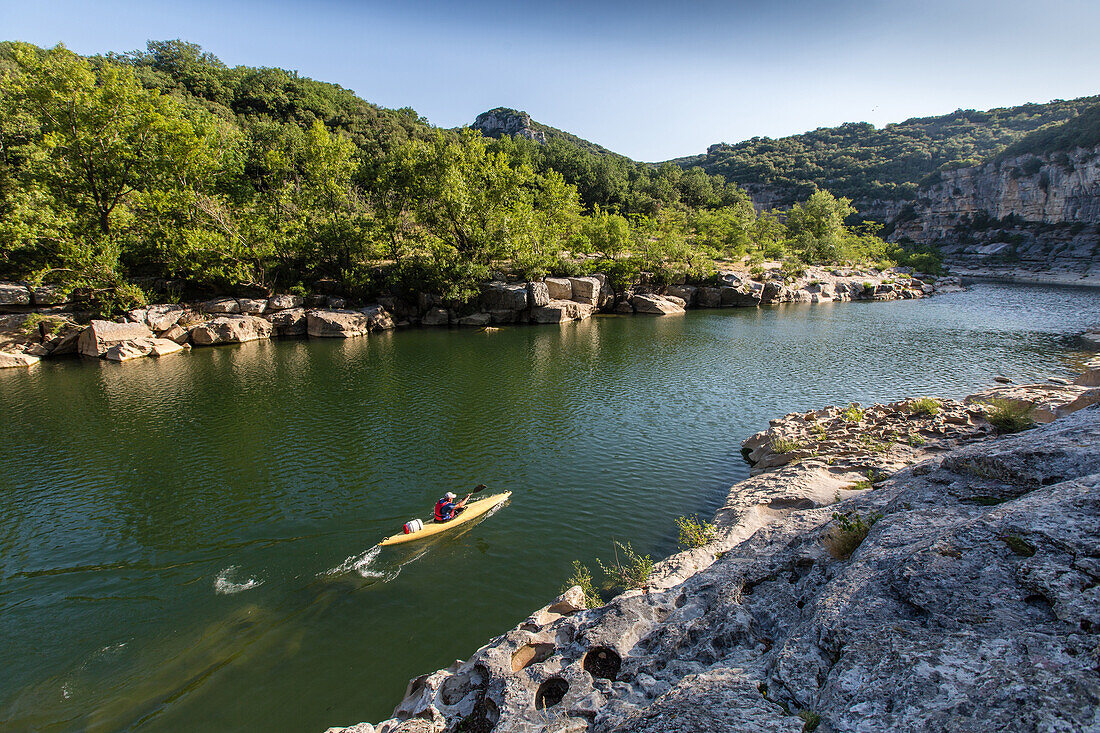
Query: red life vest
column 439, row 510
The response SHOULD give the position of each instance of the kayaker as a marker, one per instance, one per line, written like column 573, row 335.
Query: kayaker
column 446, row 508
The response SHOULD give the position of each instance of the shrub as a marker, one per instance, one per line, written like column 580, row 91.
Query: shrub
column 694, row 533
column 810, row 720
column 1009, row 416
column 850, row 530
column 924, row 407
column 757, row 273
column 630, row 571
column 785, row 445
column 582, row 577
column 853, row 413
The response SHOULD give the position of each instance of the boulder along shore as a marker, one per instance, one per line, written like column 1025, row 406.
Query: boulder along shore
column 37, row 323
column 895, row 567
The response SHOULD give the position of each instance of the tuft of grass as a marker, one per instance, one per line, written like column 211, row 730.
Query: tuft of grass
column 877, row 477
column 925, row 407
column 694, row 533
column 810, row 720
column 819, row 432
column 853, row 413
column 785, row 445
column 630, row 571
column 850, row 531
column 582, row 577
column 916, row 441
column 1009, row 416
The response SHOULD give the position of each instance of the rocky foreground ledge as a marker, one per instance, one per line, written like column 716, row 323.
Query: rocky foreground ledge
column 35, row 323
column 973, row 603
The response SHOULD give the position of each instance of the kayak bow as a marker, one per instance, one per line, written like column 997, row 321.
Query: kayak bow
column 472, row 511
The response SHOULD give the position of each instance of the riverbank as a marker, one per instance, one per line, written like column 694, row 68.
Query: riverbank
column 1021, row 276
column 895, row 566
column 37, row 323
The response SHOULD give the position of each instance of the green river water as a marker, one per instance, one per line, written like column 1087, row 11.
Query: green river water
column 186, row 544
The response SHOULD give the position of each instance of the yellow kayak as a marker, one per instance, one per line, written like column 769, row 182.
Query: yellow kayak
column 473, row 510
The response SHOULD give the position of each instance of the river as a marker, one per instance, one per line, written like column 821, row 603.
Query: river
column 186, row 543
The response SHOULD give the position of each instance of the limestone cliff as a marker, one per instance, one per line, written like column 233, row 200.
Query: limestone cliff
column 1031, row 213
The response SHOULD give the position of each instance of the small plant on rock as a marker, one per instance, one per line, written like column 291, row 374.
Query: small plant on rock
column 850, row 530
column 785, row 445
column 924, row 407
column 582, row 577
column 1009, row 416
column 853, row 413
column 694, row 533
column 819, row 432
column 810, row 720
column 916, row 441
column 630, row 571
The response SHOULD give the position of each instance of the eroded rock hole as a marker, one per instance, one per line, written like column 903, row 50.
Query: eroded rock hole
column 482, row 719
column 529, row 654
column 550, row 693
column 459, row 686
column 603, row 662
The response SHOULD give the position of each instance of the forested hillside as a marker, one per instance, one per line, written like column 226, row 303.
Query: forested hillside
column 165, row 169
column 866, row 163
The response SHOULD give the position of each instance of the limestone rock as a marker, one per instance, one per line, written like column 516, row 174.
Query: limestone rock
column 379, row 318
column 14, row 294
column 232, row 329
column 102, row 335
column 17, row 329
column 221, row 305
column 284, row 302
column 48, row 295
column 739, row 297
column 1091, row 375
column 139, row 348
column 709, row 297
column 655, row 304
column 160, row 317
column 687, row 293
column 561, row 311
column 1048, row 401
column 436, row 317
column 585, row 290
column 559, row 288
column 177, row 333
column 337, row 323
column 289, row 322
column 479, row 320
column 538, row 294
column 17, row 359
column 252, row 306
column 499, row 296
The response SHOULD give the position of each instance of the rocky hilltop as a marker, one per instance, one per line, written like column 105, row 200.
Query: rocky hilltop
column 501, row 121
column 899, row 567
column 1030, row 217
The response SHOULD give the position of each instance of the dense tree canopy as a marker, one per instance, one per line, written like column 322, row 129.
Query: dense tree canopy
column 166, row 166
column 865, row 163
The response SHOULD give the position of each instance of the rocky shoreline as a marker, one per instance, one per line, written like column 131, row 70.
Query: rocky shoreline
column 972, row 603
column 36, row 323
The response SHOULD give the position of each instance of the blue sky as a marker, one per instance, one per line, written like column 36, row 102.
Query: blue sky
column 652, row 80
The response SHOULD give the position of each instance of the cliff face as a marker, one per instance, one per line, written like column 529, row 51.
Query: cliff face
column 501, row 122
column 1029, row 214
